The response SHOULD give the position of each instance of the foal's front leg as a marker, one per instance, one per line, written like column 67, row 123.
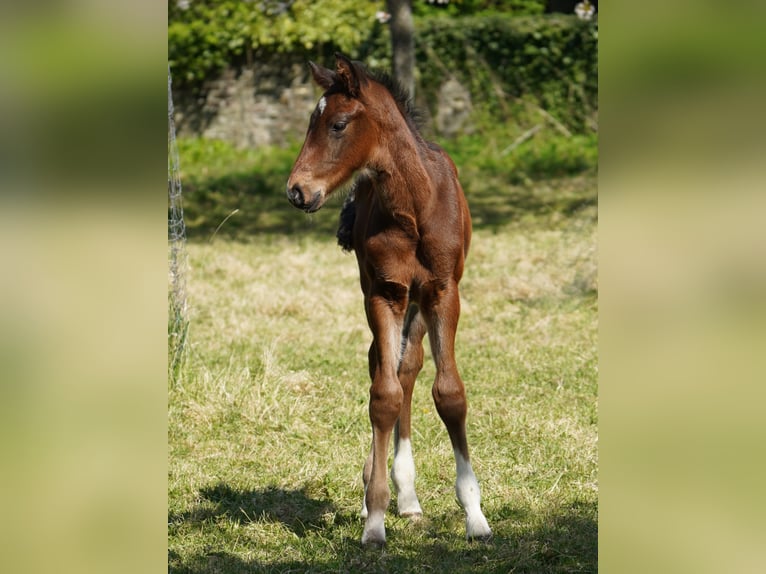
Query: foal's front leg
column 386, row 318
column 403, row 468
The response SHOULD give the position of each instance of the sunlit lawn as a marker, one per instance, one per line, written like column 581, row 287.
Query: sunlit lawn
column 268, row 424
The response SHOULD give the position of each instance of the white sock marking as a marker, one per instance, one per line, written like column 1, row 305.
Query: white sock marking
column 403, row 475
column 364, row 503
column 469, row 495
column 374, row 529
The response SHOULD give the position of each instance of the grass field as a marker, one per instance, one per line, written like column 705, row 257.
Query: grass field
column 267, row 419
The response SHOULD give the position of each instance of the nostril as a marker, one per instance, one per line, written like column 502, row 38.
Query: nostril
column 295, row 195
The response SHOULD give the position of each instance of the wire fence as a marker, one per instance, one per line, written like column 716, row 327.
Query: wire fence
column 178, row 324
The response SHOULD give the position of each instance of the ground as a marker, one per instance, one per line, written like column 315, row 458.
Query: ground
column 268, row 425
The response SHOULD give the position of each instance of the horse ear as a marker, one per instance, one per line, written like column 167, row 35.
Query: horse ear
column 322, row 76
column 351, row 74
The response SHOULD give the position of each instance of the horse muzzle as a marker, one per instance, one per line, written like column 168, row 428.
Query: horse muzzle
column 297, row 196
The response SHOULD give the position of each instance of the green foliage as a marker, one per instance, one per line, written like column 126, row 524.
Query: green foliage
column 476, row 7
column 210, row 34
column 552, row 59
column 514, row 67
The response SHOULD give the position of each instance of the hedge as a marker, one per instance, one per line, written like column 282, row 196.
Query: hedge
column 550, row 60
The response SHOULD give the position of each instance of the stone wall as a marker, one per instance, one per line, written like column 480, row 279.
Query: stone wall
column 270, row 104
column 263, row 105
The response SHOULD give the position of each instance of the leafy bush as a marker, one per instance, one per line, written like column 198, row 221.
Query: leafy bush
column 553, row 59
column 205, row 36
column 547, row 62
column 476, row 7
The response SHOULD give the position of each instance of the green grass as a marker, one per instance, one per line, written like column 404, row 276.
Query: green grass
column 231, row 193
column 268, row 425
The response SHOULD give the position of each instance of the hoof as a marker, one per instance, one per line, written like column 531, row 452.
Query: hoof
column 477, row 528
column 413, row 516
column 374, row 534
column 483, row 538
column 373, row 540
column 373, row 544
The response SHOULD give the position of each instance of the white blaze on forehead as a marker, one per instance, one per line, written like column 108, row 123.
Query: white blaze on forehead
column 321, row 105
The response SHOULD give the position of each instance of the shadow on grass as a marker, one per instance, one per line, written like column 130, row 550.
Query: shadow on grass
column 565, row 540
column 239, row 205
column 494, row 202
column 295, row 509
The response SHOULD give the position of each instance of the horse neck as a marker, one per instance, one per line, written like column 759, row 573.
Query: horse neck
column 403, row 183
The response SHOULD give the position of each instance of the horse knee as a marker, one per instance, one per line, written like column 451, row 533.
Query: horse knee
column 385, row 403
column 450, row 401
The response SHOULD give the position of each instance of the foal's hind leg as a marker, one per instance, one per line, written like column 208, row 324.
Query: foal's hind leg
column 449, row 396
column 403, row 469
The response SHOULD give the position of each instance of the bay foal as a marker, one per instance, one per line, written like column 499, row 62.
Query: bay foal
column 408, row 223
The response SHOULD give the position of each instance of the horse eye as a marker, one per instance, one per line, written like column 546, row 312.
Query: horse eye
column 339, row 126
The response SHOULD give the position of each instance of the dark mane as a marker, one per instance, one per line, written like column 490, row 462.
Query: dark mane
column 412, row 115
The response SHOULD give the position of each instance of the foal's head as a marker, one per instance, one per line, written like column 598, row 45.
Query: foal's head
column 342, row 135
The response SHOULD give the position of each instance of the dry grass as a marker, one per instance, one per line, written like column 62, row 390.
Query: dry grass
column 268, row 424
